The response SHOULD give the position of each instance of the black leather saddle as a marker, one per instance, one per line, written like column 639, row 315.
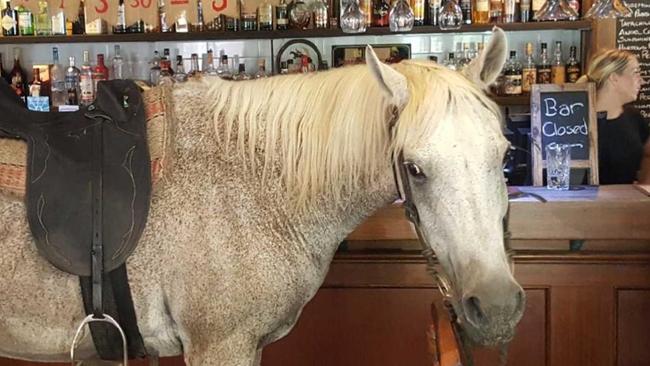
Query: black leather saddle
column 63, row 171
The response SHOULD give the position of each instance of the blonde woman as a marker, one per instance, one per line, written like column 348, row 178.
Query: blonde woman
column 623, row 132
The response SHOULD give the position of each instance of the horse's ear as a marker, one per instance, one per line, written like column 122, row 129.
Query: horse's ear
column 485, row 68
column 390, row 81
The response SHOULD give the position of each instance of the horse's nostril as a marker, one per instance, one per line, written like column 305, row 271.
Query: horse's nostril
column 473, row 311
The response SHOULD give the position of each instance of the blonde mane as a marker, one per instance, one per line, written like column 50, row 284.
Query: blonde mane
column 329, row 131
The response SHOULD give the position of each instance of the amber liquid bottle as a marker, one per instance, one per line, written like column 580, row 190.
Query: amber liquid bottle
column 573, row 69
column 544, row 67
column 481, row 11
column 17, row 77
column 558, row 72
column 529, row 71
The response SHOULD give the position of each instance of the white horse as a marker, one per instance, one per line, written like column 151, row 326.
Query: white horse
column 268, row 177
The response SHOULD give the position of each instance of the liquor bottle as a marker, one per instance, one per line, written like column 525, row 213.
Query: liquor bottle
column 79, row 25
column 466, row 9
column 200, row 24
column 281, row 16
column 167, row 57
column 120, row 25
column 544, row 67
column 182, row 25
column 209, row 69
column 43, row 20
column 166, row 72
column 86, row 85
column 558, row 72
column 25, row 21
column 100, row 72
column 434, row 11
column 162, row 17
column 284, row 68
column 380, row 11
column 9, row 21
column 179, row 73
column 466, row 59
column 418, row 11
column 59, row 93
column 536, row 6
column 241, row 74
column 72, row 83
column 195, row 71
column 573, row 70
column 366, row 8
column 496, row 11
column 481, row 11
column 154, row 71
column 512, row 75
column 59, row 23
column 321, row 18
column 529, row 71
column 224, row 70
column 265, row 16
column 524, row 11
column 509, row 11
column 261, row 69
column 450, row 62
column 17, row 77
column 35, row 85
column 118, row 64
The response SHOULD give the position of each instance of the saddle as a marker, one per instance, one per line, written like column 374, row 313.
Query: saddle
column 87, row 194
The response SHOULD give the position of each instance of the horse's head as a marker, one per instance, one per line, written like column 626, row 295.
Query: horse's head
column 454, row 169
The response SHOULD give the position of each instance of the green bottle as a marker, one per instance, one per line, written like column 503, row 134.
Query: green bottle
column 43, row 21
column 25, row 21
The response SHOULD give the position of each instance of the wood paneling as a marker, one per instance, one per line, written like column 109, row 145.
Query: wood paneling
column 633, row 328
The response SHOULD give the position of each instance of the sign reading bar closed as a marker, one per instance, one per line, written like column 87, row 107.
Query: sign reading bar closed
column 564, row 114
column 632, row 34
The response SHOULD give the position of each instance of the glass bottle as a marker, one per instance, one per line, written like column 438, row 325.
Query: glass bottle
column 165, row 71
column 43, row 21
column 466, row 10
column 35, row 85
column 525, row 11
column 496, row 11
column 573, row 69
column 401, row 17
column 529, row 71
column 79, row 25
column 451, row 16
column 57, row 78
column 9, row 21
column 450, row 62
column 466, row 59
column 162, row 17
column 281, row 16
column 536, row 6
column 366, row 8
column 100, row 72
column 481, row 11
column 72, row 83
column 118, row 64
column 241, row 74
column 17, row 77
column 321, row 18
column 434, row 11
column 154, row 71
column 179, row 73
column 544, row 67
column 512, row 75
column 59, row 23
column 182, row 25
column 120, row 25
column 25, row 21
column 353, row 20
column 209, row 68
column 553, row 10
column 299, row 15
column 558, row 72
column 509, row 10
column 200, row 24
column 195, row 71
column 86, row 85
column 380, row 11
column 261, row 69
column 265, row 15
column 223, row 67
column 284, row 68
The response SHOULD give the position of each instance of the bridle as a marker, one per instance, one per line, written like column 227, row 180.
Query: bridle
column 401, row 175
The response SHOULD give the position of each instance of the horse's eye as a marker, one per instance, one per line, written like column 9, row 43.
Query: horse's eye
column 414, row 170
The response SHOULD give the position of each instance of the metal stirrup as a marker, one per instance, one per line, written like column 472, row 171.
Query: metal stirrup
column 106, row 319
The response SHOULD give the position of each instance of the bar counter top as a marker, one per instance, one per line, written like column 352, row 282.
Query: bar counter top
column 582, row 213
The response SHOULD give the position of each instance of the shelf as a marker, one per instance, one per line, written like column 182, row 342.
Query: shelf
column 292, row 33
column 517, row 100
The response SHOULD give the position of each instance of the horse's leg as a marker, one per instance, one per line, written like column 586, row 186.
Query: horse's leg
column 234, row 351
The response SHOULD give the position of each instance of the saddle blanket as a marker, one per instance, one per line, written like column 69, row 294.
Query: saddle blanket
column 13, row 153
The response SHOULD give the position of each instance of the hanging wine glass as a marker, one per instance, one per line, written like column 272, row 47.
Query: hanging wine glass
column 400, row 18
column 451, row 16
column 608, row 9
column 353, row 19
column 553, row 10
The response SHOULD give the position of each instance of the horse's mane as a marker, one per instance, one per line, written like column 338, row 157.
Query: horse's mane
column 331, row 130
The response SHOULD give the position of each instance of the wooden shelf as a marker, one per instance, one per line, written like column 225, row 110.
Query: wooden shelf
column 292, row 33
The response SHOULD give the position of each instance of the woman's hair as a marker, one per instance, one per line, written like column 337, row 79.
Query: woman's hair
column 604, row 64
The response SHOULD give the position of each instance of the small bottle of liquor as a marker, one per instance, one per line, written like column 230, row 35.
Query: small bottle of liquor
column 179, row 74
column 573, row 69
column 265, row 15
column 100, row 72
column 529, row 71
column 524, row 11
column 86, row 84
column 261, row 69
column 496, row 11
column 72, row 82
column 380, row 11
column 544, row 67
column 512, row 75
column 481, row 11
column 466, row 9
column 195, row 71
column 281, row 16
column 558, row 71
column 434, row 11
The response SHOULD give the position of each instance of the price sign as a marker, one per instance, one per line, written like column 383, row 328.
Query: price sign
column 176, row 7
column 32, row 5
column 101, row 9
column 147, row 10
column 70, row 8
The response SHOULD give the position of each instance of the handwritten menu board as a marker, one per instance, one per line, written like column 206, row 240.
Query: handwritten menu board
column 564, row 114
column 633, row 34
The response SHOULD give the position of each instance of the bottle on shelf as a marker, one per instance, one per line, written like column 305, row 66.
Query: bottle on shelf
column 200, row 23
column 466, row 57
column 261, row 69
column 43, row 20
column 209, row 69
column 120, row 24
column 179, row 73
column 418, row 11
column 72, row 74
column 401, row 18
column 86, row 84
column 154, row 71
column 195, row 71
column 321, row 16
column 509, row 11
column 35, row 85
column 380, row 10
column 450, row 62
column 242, row 74
column 366, row 8
column 17, row 77
column 496, row 11
column 79, row 25
column 25, row 21
column 100, row 72
column 281, row 16
column 57, row 77
column 466, row 9
column 353, row 20
column 163, row 25
column 512, row 75
column 265, row 16
column 481, row 11
column 558, row 71
column 573, row 70
column 167, row 57
column 166, row 72
column 525, row 13
column 284, row 68
column 299, row 15
column 182, row 25
column 9, row 21
column 59, row 23
column 544, row 67
column 434, row 11
column 536, row 6
column 37, row 100
column 118, row 64
column 529, row 71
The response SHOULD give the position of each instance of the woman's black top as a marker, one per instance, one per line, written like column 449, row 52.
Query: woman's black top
column 620, row 146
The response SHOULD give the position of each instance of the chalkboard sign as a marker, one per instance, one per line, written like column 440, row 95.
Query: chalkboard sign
column 632, row 34
column 564, row 114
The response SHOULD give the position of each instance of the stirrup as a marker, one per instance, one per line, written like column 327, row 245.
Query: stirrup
column 105, row 319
